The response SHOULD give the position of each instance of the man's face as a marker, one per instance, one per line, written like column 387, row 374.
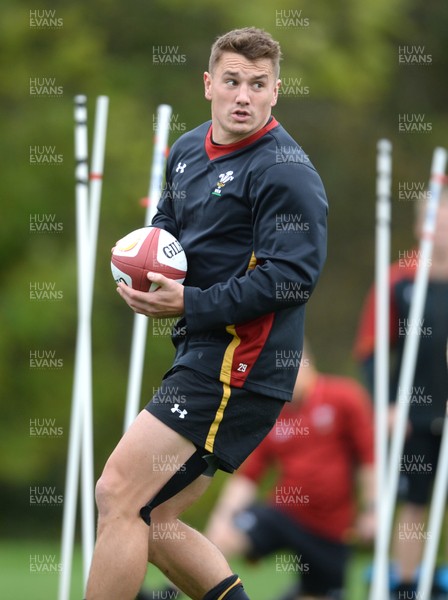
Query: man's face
column 242, row 93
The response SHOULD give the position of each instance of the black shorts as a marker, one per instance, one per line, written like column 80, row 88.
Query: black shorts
column 418, row 466
column 319, row 562
column 229, row 422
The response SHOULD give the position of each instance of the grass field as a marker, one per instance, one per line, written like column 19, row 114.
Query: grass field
column 30, row 569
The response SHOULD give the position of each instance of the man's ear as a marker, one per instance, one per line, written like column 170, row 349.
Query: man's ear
column 207, row 85
column 276, row 89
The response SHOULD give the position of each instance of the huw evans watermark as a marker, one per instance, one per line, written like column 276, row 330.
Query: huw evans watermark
column 45, row 155
column 45, row 290
column 45, row 223
column 45, row 87
column 45, row 19
column 168, row 55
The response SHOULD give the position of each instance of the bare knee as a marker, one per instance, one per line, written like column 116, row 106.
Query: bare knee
column 110, row 493
column 104, row 494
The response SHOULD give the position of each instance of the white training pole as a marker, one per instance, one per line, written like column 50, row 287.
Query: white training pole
column 379, row 587
column 436, row 514
column 140, row 321
column 74, row 447
column 91, row 229
column 159, row 158
column 96, row 171
column 81, row 414
column 435, row 523
column 410, row 351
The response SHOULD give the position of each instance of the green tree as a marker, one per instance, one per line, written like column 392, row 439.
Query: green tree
column 344, row 88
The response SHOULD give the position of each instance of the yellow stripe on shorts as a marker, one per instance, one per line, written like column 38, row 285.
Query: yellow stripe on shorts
column 210, row 441
column 226, row 370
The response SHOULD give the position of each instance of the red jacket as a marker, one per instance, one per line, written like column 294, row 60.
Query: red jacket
column 316, row 446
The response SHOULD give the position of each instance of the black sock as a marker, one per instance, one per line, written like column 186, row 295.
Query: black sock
column 230, row 588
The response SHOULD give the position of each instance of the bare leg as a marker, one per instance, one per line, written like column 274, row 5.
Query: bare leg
column 131, row 478
column 170, row 545
column 407, row 549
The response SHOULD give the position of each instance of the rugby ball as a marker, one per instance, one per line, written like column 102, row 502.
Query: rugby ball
column 147, row 249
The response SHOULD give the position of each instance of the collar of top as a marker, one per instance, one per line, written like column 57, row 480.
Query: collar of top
column 218, row 150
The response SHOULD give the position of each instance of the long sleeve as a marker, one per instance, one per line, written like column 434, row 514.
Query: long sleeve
column 289, row 233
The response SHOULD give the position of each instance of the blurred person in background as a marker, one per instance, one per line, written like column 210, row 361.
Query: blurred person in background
column 428, row 396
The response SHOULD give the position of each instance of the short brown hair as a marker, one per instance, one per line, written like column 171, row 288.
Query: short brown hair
column 250, row 42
